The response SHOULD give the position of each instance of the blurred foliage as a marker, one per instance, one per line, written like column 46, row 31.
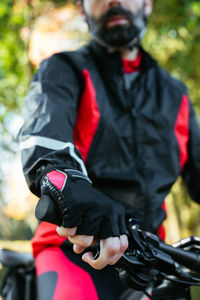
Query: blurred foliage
column 13, row 56
column 173, row 38
column 16, row 21
column 183, row 214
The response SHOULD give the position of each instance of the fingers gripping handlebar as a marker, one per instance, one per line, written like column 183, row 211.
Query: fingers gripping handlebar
column 147, row 257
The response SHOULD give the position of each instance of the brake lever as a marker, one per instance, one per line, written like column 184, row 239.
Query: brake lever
column 150, row 253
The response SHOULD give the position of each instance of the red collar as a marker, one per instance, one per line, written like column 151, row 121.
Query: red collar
column 131, row 66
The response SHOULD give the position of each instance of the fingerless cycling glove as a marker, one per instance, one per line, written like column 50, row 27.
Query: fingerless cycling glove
column 81, row 205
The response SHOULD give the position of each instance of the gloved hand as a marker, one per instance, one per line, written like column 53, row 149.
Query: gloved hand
column 81, row 205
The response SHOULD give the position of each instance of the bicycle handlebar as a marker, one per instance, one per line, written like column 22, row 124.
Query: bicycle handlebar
column 46, row 211
column 188, row 259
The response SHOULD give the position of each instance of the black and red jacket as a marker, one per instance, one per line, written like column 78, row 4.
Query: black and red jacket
column 133, row 134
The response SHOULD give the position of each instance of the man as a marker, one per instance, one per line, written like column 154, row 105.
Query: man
column 107, row 134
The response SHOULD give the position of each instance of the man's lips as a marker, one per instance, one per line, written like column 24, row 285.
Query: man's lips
column 117, row 20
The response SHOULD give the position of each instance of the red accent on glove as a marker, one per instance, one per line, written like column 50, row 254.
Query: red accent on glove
column 57, row 178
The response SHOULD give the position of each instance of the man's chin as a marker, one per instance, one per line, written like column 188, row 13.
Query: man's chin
column 117, row 36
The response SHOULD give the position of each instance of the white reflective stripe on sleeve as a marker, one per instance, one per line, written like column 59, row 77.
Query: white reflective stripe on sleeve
column 53, row 145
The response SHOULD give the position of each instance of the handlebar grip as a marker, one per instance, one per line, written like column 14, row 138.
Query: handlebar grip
column 188, row 259
column 46, row 210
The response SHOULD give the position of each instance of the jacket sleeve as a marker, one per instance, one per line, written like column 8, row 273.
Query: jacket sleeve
column 191, row 171
column 46, row 138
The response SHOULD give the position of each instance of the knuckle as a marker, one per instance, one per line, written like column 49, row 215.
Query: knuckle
column 69, row 231
column 62, row 232
column 113, row 249
column 77, row 249
column 87, row 240
column 115, row 259
column 84, row 241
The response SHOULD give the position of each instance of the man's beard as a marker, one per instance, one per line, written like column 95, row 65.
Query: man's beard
column 119, row 36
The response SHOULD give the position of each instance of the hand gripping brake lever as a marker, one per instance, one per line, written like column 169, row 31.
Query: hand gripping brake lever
column 146, row 252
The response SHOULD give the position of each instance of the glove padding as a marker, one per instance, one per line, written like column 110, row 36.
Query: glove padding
column 81, row 205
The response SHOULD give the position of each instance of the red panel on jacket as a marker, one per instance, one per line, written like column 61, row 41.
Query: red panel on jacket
column 182, row 130
column 87, row 118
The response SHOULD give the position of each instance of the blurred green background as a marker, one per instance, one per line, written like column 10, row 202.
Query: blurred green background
column 31, row 30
